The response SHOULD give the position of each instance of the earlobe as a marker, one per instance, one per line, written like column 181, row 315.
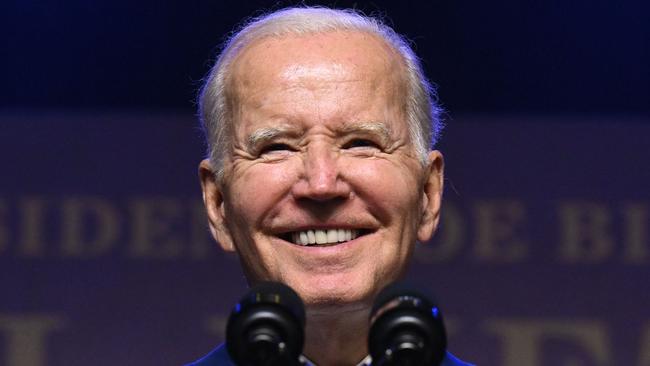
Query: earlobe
column 432, row 196
column 213, row 199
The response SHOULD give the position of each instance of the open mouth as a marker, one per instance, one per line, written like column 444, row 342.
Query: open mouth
column 323, row 237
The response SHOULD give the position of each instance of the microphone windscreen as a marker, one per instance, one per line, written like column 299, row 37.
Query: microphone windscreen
column 266, row 327
column 395, row 291
column 406, row 328
column 276, row 293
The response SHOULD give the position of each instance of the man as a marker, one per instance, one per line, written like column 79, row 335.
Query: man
column 320, row 173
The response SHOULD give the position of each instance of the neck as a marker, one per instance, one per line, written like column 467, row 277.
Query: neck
column 337, row 338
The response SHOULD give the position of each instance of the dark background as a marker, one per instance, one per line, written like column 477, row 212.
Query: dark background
column 542, row 57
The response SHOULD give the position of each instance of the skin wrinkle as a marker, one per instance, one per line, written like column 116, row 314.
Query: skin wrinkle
column 394, row 63
column 266, row 135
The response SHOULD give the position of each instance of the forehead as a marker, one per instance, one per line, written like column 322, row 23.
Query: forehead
column 320, row 59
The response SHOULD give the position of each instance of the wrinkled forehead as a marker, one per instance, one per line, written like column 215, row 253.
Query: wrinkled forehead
column 333, row 57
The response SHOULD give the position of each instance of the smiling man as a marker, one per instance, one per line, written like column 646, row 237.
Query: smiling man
column 320, row 173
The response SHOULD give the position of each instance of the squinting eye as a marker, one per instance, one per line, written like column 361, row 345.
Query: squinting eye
column 274, row 147
column 360, row 143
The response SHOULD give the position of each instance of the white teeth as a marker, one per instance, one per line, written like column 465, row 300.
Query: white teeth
column 330, row 236
column 321, row 236
column 340, row 235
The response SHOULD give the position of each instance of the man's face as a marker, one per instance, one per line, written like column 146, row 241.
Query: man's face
column 322, row 153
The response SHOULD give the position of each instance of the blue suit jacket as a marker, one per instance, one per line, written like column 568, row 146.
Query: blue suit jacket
column 219, row 357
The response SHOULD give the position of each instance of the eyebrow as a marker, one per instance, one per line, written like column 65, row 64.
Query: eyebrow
column 264, row 134
column 379, row 129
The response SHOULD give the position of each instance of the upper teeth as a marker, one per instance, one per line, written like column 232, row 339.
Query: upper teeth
column 323, row 236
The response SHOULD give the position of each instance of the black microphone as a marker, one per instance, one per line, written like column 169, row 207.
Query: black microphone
column 266, row 327
column 406, row 329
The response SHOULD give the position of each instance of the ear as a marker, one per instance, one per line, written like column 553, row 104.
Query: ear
column 431, row 196
column 213, row 199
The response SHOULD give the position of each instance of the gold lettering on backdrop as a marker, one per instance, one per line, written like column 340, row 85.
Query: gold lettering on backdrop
column 216, row 326
column 449, row 239
column 25, row 338
column 636, row 233
column 585, row 232
column 498, row 234
column 89, row 227
column 523, row 339
column 32, row 212
column 644, row 355
column 155, row 232
column 4, row 227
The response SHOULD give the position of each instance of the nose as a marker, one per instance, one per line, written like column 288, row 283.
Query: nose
column 321, row 178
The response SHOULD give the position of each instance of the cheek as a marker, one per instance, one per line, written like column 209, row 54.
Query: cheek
column 257, row 189
column 391, row 186
column 255, row 194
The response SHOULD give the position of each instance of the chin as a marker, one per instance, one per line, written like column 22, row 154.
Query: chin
column 340, row 293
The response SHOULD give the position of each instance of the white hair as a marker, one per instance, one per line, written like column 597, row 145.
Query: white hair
column 422, row 109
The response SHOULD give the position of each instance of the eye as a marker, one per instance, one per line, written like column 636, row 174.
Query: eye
column 360, row 143
column 277, row 147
